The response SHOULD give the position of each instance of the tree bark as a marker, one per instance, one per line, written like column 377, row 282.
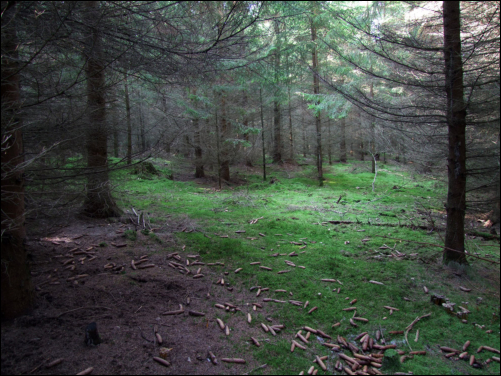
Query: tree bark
column 129, row 125
column 262, row 133
column 17, row 290
column 342, row 146
column 99, row 202
column 224, row 166
column 456, row 124
column 329, row 145
column 277, row 141
column 316, row 91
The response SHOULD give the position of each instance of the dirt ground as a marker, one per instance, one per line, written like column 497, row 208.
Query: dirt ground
column 126, row 305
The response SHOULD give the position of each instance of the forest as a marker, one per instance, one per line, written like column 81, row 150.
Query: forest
column 249, row 187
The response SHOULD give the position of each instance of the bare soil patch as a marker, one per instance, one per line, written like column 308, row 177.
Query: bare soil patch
column 126, row 305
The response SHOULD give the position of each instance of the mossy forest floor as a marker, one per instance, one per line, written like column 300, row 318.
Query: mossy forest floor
column 303, row 235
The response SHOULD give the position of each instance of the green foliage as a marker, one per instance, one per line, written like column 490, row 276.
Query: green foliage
column 131, row 235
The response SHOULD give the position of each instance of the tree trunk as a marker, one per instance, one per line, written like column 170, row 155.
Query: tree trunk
column 373, row 133
column 342, row 145
column 456, row 123
column 277, row 141
column 224, row 166
column 99, row 202
column 262, row 133
column 361, row 151
column 291, row 139
column 17, row 290
column 316, row 91
column 305, row 143
column 329, row 141
column 142, row 128
column 129, row 125
column 115, row 135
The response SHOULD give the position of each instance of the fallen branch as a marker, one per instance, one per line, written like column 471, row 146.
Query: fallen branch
column 76, row 309
column 411, row 325
column 440, row 246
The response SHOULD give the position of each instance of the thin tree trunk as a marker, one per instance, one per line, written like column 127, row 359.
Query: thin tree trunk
column 373, row 133
column 305, row 143
column 142, row 127
column 98, row 202
column 224, row 165
column 115, row 135
column 17, row 290
column 342, row 145
column 329, row 148
column 456, row 123
column 218, row 152
column 277, row 141
column 262, row 133
column 316, row 91
column 129, row 125
column 291, row 139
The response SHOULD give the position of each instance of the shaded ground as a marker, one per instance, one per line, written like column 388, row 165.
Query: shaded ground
column 125, row 305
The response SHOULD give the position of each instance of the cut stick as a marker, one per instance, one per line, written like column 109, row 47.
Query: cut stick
column 464, row 289
column 336, row 325
column 353, row 301
column 265, row 327
column 293, row 346
column 418, row 352
column 221, row 324
column 177, row 312
column 314, row 331
column 255, row 263
column 320, row 363
column 417, row 336
column 361, row 335
column 227, row 330
column 492, row 349
column 237, row 270
column 425, row 289
column 448, row 349
column 391, row 308
column 352, row 323
column 301, row 337
column 249, row 318
column 297, row 344
column 86, row 371
column 328, row 280
column 213, row 358
column 322, row 334
column 54, row 363
column 376, row 282
column 159, row 338
column 472, row 359
column 265, row 268
column 255, row 341
column 272, row 331
column 361, row 319
column 196, row 313
column 233, row 360
column 313, row 309
column 161, row 361
column 350, row 309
